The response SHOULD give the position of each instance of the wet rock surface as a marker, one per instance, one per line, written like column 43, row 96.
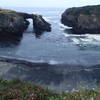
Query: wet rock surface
column 56, row 77
column 83, row 19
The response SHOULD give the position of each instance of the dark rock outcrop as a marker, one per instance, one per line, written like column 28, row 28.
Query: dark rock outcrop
column 11, row 23
column 83, row 19
column 40, row 24
column 14, row 23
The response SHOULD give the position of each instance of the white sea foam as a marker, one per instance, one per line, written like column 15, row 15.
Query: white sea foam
column 63, row 26
column 23, row 59
column 84, row 39
column 96, row 37
column 47, row 18
column 76, row 41
column 71, row 35
column 66, row 35
column 53, row 62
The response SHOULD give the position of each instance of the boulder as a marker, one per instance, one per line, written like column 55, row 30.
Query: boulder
column 83, row 19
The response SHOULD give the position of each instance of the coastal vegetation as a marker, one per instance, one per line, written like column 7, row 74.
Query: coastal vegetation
column 18, row 90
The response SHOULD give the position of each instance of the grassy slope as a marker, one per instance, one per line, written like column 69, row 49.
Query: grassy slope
column 17, row 90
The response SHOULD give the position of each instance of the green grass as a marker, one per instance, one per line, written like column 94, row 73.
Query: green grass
column 6, row 11
column 11, row 13
column 88, row 10
column 18, row 90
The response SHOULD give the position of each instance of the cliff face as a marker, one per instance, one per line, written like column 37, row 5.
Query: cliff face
column 12, row 24
column 83, row 19
column 15, row 23
column 40, row 24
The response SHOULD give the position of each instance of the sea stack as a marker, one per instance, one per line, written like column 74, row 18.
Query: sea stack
column 14, row 23
column 83, row 19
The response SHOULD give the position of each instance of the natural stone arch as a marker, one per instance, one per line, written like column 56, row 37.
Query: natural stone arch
column 13, row 24
column 39, row 24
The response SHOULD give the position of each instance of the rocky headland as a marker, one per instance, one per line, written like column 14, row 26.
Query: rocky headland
column 83, row 19
column 14, row 23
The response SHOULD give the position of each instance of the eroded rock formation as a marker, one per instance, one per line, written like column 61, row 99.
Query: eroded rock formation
column 14, row 23
column 83, row 19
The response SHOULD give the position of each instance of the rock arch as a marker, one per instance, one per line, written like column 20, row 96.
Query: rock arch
column 14, row 23
column 39, row 24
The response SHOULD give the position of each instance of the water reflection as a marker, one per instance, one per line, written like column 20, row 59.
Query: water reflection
column 10, row 40
column 38, row 34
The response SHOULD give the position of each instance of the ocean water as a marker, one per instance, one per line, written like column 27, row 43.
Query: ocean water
column 58, row 47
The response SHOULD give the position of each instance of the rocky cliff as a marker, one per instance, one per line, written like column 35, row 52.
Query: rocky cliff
column 83, row 19
column 15, row 23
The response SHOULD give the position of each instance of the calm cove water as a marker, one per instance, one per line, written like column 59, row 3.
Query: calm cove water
column 56, row 47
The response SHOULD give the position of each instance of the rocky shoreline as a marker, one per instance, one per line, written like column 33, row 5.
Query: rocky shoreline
column 44, row 74
column 83, row 19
